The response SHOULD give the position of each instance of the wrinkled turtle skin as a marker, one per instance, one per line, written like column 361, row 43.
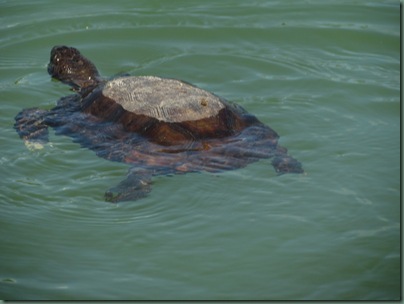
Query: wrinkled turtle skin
column 159, row 126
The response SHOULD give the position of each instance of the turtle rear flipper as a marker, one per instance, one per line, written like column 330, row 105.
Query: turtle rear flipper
column 137, row 185
column 286, row 164
column 31, row 127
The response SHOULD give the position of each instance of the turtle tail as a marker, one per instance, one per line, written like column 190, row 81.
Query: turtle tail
column 31, row 127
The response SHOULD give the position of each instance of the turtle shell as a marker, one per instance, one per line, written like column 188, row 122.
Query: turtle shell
column 166, row 111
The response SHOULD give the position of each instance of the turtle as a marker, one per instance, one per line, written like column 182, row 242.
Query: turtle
column 159, row 126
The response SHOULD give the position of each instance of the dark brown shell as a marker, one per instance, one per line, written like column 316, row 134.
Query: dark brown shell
column 167, row 111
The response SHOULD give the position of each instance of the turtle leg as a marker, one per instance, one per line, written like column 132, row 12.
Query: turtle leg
column 283, row 163
column 286, row 164
column 31, row 127
column 136, row 186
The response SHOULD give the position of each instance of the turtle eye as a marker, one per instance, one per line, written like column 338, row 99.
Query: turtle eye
column 75, row 60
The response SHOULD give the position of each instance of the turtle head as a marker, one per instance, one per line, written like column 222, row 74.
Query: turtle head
column 69, row 66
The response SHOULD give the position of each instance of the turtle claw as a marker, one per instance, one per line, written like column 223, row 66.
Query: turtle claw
column 31, row 127
column 131, row 189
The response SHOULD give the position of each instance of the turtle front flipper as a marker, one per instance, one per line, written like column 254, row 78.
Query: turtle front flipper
column 31, row 127
column 136, row 186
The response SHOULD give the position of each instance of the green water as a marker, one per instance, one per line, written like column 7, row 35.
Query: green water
column 323, row 74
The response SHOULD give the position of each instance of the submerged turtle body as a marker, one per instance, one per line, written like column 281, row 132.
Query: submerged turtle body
column 158, row 125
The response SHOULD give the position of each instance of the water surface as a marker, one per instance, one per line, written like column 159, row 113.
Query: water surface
column 324, row 75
